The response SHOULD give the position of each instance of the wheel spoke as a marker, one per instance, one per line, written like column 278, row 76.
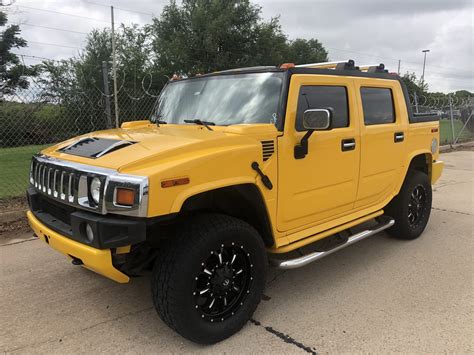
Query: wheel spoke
column 207, row 272
column 212, row 303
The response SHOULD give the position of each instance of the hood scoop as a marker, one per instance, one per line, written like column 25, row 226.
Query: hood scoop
column 95, row 147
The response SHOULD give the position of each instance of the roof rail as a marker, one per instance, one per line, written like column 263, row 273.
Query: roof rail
column 339, row 65
column 322, row 65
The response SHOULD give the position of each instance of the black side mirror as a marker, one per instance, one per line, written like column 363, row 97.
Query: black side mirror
column 313, row 120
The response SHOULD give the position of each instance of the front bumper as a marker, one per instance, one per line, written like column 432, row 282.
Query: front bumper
column 97, row 260
column 109, row 231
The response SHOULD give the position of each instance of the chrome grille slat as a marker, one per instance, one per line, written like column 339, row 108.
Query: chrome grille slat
column 40, row 169
column 55, row 183
column 49, row 181
column 43, row 178
column 70, row 193
column 32, row 169
column 62, row 195
column 36, row 174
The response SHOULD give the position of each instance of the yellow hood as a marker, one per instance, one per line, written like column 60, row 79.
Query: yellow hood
column 156, row 143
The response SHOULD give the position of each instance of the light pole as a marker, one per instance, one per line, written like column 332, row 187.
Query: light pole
column 424, row 64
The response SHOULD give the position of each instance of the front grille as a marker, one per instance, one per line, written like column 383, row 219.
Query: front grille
column 268, row 148
column 67, row 182
column 57, row 182
column 63, row 183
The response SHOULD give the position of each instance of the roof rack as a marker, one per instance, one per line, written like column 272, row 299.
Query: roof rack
column 373, row 68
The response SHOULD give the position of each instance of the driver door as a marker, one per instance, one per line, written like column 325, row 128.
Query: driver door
column 322, row 185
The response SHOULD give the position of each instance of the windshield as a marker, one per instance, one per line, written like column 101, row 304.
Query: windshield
column 222, row 99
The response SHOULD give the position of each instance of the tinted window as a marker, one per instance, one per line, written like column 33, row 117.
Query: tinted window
column 378, row 105
column 323, row 97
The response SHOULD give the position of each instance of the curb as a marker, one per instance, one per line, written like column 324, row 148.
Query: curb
column 12, row 216
column 449, row 147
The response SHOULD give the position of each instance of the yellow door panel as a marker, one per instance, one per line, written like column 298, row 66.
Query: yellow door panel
column 324, row 183
column 383, row 145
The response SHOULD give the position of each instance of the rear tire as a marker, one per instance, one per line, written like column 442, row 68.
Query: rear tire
column 209, row 279
column 411, row 208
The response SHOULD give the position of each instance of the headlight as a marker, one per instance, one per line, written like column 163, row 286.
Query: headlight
column 95, row 190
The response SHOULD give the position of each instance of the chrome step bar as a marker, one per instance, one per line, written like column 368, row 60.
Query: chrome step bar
column 307, row 259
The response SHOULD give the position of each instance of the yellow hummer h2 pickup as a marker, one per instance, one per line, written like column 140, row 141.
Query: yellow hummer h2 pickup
column 234, row 171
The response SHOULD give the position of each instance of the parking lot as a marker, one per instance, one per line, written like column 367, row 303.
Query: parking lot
column 380, row 295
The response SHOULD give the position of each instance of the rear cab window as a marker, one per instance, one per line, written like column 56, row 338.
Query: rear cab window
column 377, row 105
column 333, row 98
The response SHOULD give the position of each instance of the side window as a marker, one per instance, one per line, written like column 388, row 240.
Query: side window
column 377, row 104
column 323, row 97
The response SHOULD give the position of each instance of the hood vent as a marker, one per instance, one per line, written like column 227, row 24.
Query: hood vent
column 91, row 147
column 268, row 148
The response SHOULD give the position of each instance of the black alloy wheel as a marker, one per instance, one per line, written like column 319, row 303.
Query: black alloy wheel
column 223, row 282
column 416, row 205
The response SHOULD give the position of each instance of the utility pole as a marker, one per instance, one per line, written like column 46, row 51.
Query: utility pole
column 105, row 78
column 399, row 61
column 114, row 69
column 424, row 64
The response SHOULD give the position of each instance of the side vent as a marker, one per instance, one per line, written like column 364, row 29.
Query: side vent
column 268, row 148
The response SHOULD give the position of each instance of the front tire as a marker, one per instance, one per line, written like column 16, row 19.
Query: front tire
column 209, row 279
column 411, row 208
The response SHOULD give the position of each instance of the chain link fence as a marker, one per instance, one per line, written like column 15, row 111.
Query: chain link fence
column 37, row 117
column 456, row 124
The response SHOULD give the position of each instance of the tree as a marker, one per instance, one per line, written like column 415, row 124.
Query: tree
column 13, row 74
column 306, row 51
column 201, row 36
column 413, row 85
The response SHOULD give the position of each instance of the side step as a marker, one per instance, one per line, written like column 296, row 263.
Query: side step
column 385, row 222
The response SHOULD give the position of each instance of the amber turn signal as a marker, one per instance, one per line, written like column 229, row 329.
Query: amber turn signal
column 125, row 197
column 287, row 65
column 174, row 182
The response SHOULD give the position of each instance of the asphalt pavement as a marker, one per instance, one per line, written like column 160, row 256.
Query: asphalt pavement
column 380, row 295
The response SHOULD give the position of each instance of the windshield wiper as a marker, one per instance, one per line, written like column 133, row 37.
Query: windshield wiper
column 202, row 123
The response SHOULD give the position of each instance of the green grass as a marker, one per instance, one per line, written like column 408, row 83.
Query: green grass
column 446, row 135
column 14, row 169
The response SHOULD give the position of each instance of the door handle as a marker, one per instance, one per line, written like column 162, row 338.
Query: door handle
column 398, row 137
column 348, row 144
